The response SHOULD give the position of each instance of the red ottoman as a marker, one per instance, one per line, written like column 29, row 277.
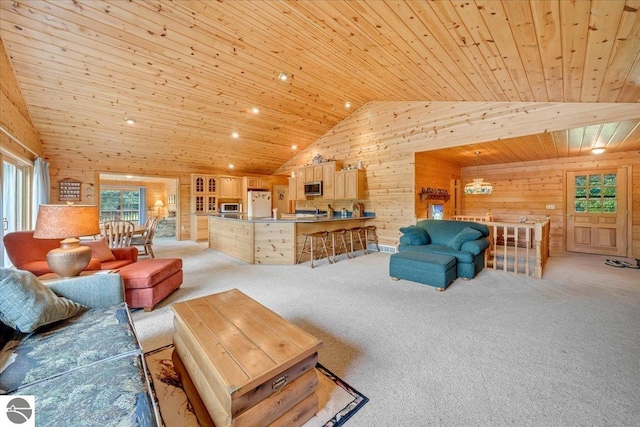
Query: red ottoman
column 149, row 281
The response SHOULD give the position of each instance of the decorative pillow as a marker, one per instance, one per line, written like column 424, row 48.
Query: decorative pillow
column 26, row 303
column 413, row 235
column 465, row 235
column 99, row 249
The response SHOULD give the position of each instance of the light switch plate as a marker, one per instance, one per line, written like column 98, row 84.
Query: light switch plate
column 550, row 207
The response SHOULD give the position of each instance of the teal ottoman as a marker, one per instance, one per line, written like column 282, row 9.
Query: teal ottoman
column 422, row 267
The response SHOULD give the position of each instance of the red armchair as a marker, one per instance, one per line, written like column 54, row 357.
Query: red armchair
column 29, row 253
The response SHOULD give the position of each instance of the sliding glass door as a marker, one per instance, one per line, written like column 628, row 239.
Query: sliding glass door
column 15, row 178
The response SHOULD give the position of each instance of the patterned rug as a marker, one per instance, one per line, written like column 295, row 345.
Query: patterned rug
column 337, row 400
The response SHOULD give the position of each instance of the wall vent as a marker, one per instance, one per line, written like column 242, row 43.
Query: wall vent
column 383, row 248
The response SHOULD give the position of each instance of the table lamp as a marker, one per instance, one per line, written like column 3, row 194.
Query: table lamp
column 67, row 222
column 159, row 205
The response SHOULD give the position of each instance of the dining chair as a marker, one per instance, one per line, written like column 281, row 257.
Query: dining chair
column 117, row 233
column 146, row 238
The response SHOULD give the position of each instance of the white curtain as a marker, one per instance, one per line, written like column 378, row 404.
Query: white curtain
column 41, row 186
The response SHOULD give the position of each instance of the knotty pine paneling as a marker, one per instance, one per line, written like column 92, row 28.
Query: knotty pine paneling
column 525, row 188
column 434, row 173
column 385, row 136
column 14, row 115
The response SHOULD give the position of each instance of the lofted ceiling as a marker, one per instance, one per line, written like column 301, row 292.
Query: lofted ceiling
column 615, row 137
column 189, row 72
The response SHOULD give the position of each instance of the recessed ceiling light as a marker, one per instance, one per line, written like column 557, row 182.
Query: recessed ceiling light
column 129, row 120
column 294, row 147
column 347, row 104
column 128, row 176
column 230, row 166
column 235, row 135
column 597, row 151
column 255, row 110
column 284, row 76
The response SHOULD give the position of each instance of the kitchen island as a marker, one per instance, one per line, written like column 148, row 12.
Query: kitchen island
column 270, row 241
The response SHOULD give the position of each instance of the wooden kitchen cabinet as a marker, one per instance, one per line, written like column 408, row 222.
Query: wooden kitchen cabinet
column 325, row 172
column 317, row 172
column 257, row 183
column 199, row 227
column 308, row 173
column 328, row 178
column 204, row 191
column 349, row 184
column 300, row 180
column 293, row 188
column 230, row 188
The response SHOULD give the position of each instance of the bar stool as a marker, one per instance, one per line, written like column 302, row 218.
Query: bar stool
column 342, row 244
column 357, row 231
column 317, row 239
column 370, row 235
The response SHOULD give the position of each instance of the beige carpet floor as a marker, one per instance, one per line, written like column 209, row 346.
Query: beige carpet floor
column 497, row 350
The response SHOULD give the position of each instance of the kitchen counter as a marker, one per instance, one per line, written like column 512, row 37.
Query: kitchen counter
column 264, row 240
column 289, row 217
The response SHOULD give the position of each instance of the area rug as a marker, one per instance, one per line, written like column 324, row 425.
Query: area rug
column 337, row 401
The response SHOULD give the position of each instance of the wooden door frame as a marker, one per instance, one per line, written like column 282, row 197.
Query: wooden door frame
column 628, row 221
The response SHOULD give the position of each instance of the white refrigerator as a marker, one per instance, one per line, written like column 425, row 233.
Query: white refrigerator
column 259, row 204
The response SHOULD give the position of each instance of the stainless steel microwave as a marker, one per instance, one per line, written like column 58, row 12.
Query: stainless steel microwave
column 313, row 188
column 229, row 207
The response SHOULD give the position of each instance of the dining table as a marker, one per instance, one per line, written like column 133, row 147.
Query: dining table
column 138, row 230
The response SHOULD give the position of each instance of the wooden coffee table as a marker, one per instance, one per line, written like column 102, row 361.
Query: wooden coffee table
column 244, row 364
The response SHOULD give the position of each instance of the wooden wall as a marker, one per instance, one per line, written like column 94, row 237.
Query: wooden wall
column 386, row 135
column 14, row 116
column 525, row 189
column 434, row 173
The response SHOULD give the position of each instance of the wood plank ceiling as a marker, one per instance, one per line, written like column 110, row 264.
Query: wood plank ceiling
column 189, row 72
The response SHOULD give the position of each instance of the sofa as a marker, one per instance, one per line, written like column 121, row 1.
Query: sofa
column 465, row 241
column 71, row 344
column 28, row 253
column 147, row 282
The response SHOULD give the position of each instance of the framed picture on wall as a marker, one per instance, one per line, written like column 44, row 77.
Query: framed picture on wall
column 435, row 211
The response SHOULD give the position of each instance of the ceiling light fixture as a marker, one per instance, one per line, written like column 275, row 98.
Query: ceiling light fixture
column 255, row 110
column 598, row 150
column 230, row 166
column 235, row 135
column 129, row 120
column 347, row 104
column 294, row 147
column 478, row 186
column 284, row 76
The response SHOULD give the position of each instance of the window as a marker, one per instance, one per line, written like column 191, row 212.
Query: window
column 120, row 204
column 15, row 206
column 596, row 193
